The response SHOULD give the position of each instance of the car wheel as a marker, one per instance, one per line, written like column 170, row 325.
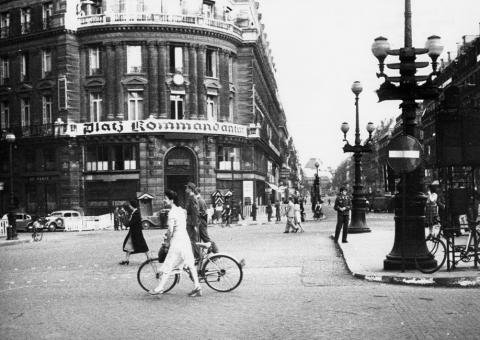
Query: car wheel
column 146, row 225
column 52, row 227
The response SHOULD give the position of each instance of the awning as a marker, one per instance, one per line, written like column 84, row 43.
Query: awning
column 273, row 186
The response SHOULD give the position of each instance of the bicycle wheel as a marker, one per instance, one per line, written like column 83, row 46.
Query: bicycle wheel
column 38, row 236
column 222, row 273
column 437, row 249
column 148, row 276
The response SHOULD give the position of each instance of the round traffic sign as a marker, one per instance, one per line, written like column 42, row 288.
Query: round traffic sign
column 404, row 154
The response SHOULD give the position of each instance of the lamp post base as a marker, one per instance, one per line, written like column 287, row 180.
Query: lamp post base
column 359, row 222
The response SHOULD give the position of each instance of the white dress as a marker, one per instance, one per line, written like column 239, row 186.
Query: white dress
column 298, row 215
column 180, row 251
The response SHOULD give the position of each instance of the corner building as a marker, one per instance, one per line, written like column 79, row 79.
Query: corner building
column 114, row 99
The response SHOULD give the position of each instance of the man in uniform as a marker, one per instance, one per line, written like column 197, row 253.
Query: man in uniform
column 191, row 206
column 342, row 206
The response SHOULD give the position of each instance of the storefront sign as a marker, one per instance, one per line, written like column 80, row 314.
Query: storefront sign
column 156, row 125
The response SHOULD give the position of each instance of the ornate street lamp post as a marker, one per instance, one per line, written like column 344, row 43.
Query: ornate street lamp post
column 409, row 230
column 359, row 202
column 10, row 138
column 319, row 191
column 232, row 158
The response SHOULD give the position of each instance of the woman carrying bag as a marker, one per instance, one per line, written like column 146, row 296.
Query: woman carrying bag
column 134, row 242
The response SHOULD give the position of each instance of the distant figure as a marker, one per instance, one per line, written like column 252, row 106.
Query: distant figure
column 342, row 206
column 329, row 202
column 227, row 212
column 134, row 242
column 254, row 211
column 290, row 217
column 269, row 211
column 302, row 211
column 217, row 216
column 298, row 216
column 116, row 219
column 277, row 211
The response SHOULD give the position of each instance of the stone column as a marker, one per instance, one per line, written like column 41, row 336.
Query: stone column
column 162, row 73
column 193, row 81
column 153, row 78
column 120, row 62
column 224, row 93
column 110, row 78
column 83, row 92
column 202, row 95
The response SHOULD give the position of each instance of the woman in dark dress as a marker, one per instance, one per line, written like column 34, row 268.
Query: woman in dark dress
column 134, row 242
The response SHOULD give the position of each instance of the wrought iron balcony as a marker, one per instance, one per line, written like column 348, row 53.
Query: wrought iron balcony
column 158, row 19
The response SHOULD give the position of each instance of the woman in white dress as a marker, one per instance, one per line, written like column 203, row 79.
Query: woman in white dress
column 298, row 215
column 180, row 252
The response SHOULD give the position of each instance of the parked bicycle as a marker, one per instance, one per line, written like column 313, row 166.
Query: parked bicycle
column 437, row 248
column 220, row 272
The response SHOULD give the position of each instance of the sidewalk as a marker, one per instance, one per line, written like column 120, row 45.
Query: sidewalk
column 22, row 238
column 364, row 254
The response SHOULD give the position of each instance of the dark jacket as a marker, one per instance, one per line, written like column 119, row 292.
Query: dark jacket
column 136, row 234
column 343, row 202
column 202, row 207
column 269, row 209
column 191, row 206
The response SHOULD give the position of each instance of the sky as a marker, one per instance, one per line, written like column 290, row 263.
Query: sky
column 321, row 47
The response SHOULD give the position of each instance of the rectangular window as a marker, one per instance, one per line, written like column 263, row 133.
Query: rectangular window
column 176, row 59
column 24, row 72
column 207, row 9
column 134, row 59
column 4, row 24
column 176, row 106
column 25, row 20
column 135, row 105
column 49, row 159
column 47, row 15
column 94, row 64
column 211, row 63
column 25, row 108
column 46, row 62
column 224, row 158
column 212, row 107
column 118, row 157
column 46, row 109
column 4, row 115
column 96, row 107
column 4, row 71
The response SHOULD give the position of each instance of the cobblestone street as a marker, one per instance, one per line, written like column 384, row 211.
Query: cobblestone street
column 70, row 286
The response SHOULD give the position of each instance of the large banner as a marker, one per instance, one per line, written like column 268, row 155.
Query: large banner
column 156, row 126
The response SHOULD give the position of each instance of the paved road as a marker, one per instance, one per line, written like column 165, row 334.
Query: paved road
column 296, row 286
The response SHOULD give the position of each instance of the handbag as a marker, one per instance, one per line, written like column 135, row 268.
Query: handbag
column 162, row 253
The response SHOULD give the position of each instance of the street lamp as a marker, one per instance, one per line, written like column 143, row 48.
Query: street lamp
column 232, row 157
column 409, row 231
column 359, row 202
column 319, row 191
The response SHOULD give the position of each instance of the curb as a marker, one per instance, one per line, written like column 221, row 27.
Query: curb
column 453, row 282
column 5, row 243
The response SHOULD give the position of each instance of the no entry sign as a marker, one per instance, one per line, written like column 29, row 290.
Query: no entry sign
column 404, row 154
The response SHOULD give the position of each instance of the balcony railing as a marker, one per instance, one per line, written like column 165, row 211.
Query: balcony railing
column 38, row 130
column 157, row 18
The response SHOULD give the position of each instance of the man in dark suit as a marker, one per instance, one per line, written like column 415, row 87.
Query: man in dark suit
column 191, row 206
column 343, row 205
column 202, row 221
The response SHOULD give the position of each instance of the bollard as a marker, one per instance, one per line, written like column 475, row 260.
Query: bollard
column 9, row 233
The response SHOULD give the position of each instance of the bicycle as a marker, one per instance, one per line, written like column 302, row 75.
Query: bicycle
column 221, row 272
column 37, row 231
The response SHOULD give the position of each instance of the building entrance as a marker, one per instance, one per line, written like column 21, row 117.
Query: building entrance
column 180, row 168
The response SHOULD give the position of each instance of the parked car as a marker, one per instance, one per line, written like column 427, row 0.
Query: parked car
column 23, row 221
column 62, row 219
column 158, row 220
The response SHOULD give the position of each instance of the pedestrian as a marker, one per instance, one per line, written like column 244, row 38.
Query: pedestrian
column 277, row 211
column 342, row 205
column 122, row 218
column 134, row 242
column 203, row 221
column 218, row 213
column 191, row 206
column 180, row 253
column 226, row 215
column 290, row 213
column 431, row 208
column 254, row 211
column 329, row 202
column 298, row 215
column 116, row 219
column 12, row 222
column 302, row 210
column 210, row 213
column 269, row 211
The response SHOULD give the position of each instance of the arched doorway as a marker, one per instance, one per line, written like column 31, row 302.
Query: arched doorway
column 180, row 168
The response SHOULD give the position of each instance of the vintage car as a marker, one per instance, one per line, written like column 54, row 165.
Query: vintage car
column 24, row 222
column 63, row 219
column 158, row 220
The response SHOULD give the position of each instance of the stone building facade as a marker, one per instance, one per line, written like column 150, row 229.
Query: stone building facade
column 112, row 100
